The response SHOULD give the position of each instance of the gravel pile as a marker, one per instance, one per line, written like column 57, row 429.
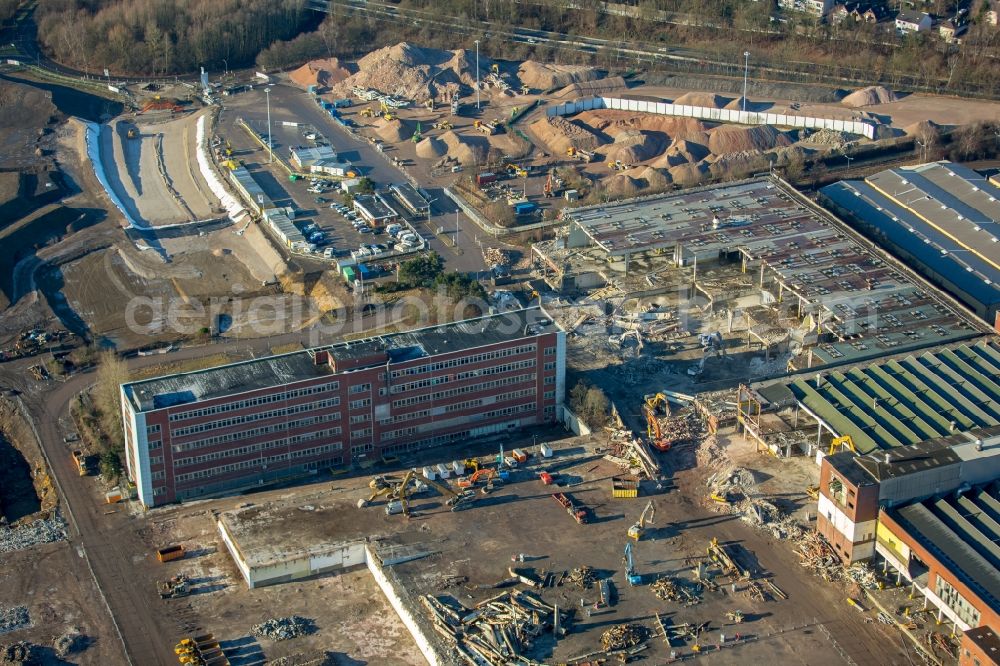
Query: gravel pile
column 283, row 628
column 18, row 653
column 12, row 619
column 41, row 531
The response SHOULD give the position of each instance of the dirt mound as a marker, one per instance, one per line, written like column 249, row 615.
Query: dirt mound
column 589, row 88
column 711, row 100
column 925, row 128
column 431, row 148
column 614, row 122
column 633, row 146
column 393, row 131
column 544, row 76
column 623, row 185
column 657, row 180
column 689, row 174
column 411, row 72
column 738, row 139
column 467, row 150
column 558, row 134
column 757, row 107
column 869, row 96
column 683, row 151
column 325, row 72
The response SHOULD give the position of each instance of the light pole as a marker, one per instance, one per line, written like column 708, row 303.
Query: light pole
column 225, row 73
column 746, row 70
column 848, row 158
column 477, row 75
column 270, row 140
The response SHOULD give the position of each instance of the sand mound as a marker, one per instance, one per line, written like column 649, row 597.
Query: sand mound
column 431, row 148
column 656, row 179
column 465, row 150
column 710, row 100
column 739, row 139
column 614, row 122
column 588, row 88
column 545, row 76
column 737, row 105
column 413, row 72
column 558, row 134
column 323, row 73
column 925, row 128
column 689, row 174
column 623, row 185
column 393, row 131
column 633, row 146
column 869, row 96
column 682, row 151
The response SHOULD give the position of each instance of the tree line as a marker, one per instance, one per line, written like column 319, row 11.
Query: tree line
column 157, row 37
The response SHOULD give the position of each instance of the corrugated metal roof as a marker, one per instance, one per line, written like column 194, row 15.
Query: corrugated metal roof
column 963, row 531
column 900, row 403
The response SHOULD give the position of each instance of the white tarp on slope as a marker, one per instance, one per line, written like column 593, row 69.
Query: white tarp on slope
column 232, row 205
column 94, row 153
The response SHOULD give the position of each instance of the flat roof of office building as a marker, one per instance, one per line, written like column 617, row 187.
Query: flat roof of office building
column 944, row 215
column 963, row 531
column 409, row 195
column 374, row 206
column 269, row 371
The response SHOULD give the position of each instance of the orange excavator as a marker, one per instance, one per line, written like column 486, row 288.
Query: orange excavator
column 487, row 473
column 549, row 189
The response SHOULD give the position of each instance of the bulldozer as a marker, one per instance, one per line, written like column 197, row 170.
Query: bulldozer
column 443, row 125
column 368, row 112
column 617, row 165
column 133, row 132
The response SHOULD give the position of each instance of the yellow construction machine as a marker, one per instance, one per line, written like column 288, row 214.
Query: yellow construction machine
column 368, row 112
column 443, row 125
column 386, row 111
column 638, row 529
column 838, row 442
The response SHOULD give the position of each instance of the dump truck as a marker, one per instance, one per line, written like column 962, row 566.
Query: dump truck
column 578, row 512
column 168, row 553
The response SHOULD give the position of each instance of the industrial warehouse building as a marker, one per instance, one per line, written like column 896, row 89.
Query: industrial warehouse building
column 246, row 424
column 412, row 200
column 942, row 218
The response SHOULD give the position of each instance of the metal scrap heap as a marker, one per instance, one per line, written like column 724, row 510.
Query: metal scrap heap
column 623, row 636
column 671, row 589
column 494, row 256
column 817, row 555
column 495, row 631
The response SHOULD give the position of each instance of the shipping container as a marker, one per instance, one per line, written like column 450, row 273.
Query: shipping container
column 170, row 553
column 342, row 103
column 443, row 471
column 546, row 451
column 524, row 208
column 429, row 473
column 348, row 273
column 364, row 271
column 519, row 455
column 486, row 178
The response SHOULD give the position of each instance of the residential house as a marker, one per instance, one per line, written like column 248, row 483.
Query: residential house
column 910, row 21
column 950, row 31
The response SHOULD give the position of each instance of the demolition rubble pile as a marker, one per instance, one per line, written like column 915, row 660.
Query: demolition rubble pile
column 817, row 556
column 43, row 530
column 496, row 631
column 671, row 589
column 623, row 636
column 283, row 628
column 583, row 577
column 631, row 453
column 496, row 257
column 12, row 619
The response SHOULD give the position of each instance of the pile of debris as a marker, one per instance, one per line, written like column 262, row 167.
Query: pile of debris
column 22, row 653
column 863, row 575
column 762, row 514
column 583, row 577
column 495, row 631
column 496, row 257
column 43, row 530
column 623, row 636
column 817, row 555
column 671, row 589
column 283, row 628
column 70, row 642
column 12, row 619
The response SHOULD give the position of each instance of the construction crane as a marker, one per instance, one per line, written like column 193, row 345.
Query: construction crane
column 639, row 528
column 633, row 577
column 845, row 441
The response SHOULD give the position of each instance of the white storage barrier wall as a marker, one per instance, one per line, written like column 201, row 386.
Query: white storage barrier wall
column 862, row 127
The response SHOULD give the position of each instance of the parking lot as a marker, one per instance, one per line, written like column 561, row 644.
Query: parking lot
column 293, row 106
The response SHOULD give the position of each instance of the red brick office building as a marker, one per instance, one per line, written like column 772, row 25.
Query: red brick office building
column 245, row 424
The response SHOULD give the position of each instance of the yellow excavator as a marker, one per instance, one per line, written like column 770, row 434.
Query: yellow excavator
column 838, row 442
column 386, row 111
column 639, row 528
